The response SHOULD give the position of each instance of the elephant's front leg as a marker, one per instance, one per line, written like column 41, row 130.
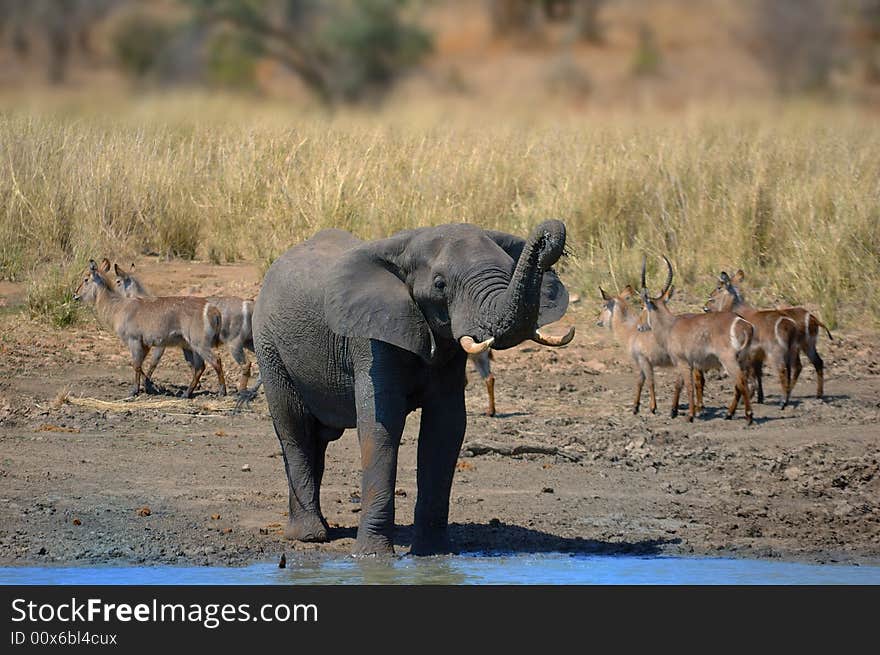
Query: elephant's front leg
column 444, row 420
column 381, row 418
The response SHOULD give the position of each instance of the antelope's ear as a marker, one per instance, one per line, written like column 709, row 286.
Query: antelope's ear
column 604, row 295
column 628, row 292
column 739, row 276
column 119, row 271
column 105, row 265
column 132, row 268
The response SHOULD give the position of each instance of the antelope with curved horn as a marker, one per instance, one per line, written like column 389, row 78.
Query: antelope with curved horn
column 700, row 342
column 186, row 322
column 617, row 317
column 807, row 325
column 776, row 340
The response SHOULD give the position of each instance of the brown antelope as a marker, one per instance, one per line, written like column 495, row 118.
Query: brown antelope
column 482, row 362
column 807, row 325
column 186, row 322
column 236, row 330
column 701, row 342
column 776, row 341
column 617, row 317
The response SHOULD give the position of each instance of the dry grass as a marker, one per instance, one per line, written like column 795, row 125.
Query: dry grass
column 791, row 194
column 184, row 406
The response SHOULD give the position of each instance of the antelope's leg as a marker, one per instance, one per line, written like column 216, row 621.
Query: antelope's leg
column 649, row 373
column 640, row 381
column 676, row 394
column 700, row 382
column 689, row 377
column 490, row 390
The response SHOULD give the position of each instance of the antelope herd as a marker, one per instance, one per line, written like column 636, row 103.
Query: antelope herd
column 729, row 334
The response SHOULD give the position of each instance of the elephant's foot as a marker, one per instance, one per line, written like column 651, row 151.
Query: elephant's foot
column 372, row 544
column 434, row 542
column 307, row 528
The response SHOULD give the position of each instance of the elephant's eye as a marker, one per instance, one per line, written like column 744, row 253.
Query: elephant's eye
column 439, row 283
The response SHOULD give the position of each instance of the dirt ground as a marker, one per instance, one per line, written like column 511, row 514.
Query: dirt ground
column 190, row 483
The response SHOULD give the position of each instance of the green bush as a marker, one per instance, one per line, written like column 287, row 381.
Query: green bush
column 139, row 41
column 50, row 296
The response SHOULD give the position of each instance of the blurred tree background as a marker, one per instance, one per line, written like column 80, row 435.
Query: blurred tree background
column 348, row 51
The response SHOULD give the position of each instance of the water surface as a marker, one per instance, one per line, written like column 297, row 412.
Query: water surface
column 544, row 568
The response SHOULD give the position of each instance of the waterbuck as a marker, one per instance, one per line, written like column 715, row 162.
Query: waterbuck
column 617, row 317
column 806, row 322
column 482, row 362
column 235, row 326
column 701, row 342
column 776, row 341
column 186, row 322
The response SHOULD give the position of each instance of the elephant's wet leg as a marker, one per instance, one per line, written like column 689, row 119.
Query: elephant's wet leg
column 297, row 432
column 444, row 420
column 381, row 417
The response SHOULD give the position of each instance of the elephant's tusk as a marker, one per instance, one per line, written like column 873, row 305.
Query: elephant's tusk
column 471, row 347
column 546, row 340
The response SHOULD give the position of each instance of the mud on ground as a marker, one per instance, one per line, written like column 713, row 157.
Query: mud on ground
column 192, row 484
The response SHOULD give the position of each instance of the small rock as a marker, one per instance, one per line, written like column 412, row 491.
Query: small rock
column 77, row 522
column 144, row 511
column 547, row 490
column 791, row 473
column 635, row 444
column 400, row 492
column 215, row 517
column 246, row 468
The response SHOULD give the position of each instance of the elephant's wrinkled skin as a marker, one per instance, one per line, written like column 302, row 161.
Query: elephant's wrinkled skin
column 352, row 333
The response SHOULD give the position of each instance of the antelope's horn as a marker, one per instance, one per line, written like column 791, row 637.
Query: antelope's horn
column 547, row 340
column 471, row 347
column 668, row 277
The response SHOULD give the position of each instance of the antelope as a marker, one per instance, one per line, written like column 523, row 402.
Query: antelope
column 192, row 324
column 236, row 330
column 701, row 342
column 482, row 362
column 776, row 341
column 617, row 317
column 806, row 322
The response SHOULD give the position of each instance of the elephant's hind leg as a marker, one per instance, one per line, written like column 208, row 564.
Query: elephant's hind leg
column 303, row 452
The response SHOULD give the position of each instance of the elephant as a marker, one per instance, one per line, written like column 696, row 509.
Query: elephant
column 351, row 333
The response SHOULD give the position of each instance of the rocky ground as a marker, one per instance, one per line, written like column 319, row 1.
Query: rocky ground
column 189, row 482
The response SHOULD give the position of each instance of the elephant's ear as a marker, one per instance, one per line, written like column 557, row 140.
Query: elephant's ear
column 554, row 295
column 364, row 298
column 554, row 299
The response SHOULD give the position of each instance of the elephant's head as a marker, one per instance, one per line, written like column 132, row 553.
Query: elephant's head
column 422, row 288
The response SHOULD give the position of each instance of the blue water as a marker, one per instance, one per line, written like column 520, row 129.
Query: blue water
column 516, row 569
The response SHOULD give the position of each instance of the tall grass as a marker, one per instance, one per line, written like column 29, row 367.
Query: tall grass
column 792, row 196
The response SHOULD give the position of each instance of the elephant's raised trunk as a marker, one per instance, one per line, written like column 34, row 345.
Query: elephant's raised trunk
column 515, row 311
